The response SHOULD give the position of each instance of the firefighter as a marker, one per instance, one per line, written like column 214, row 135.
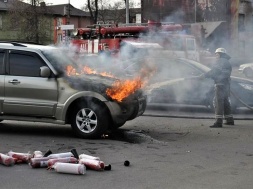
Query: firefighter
column 220, row 73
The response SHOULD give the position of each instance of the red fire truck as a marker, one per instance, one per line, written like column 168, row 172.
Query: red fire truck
column 169, row 36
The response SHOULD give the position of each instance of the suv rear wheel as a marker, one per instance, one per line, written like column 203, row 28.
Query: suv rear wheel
column 89, row 120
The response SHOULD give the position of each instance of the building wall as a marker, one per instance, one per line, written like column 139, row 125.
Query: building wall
column 61, row 36
column 5, row 33
column 54, row 21
column 245, row 28
column 79, row 22
column 168, row 10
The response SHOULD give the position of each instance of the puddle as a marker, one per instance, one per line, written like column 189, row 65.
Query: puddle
column 131, row 136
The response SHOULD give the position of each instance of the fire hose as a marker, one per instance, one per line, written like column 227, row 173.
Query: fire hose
column 231, row 92
column 240, row 100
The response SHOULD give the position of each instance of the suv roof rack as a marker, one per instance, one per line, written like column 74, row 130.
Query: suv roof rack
column 18, row 43
column 13, row 43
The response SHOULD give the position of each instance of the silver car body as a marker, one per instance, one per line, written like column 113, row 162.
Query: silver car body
column 246, row 69
column 48, row 99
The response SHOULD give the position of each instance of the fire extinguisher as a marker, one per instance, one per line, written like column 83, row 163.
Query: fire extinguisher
column 60, row 155
column 51, row 162
column 85, row 156
column 39, row 162
column 20, row 157
column 69, row 168
column 92, row 164
column 6, row 160
column 37, row 154
column 43, row 161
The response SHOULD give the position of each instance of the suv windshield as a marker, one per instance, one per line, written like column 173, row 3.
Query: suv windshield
column 58, row 59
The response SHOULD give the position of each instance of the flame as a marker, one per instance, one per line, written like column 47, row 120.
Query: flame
column 89, row 70
column 71, row 71
column 122, row 89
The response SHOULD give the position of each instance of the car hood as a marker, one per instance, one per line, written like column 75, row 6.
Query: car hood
column 99, row 84
column 241, row 80
column 91, row 82
column 158, row 85
column 246, row 65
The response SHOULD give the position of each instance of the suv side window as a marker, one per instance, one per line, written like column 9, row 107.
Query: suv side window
column 23, row 63
column 2, row 53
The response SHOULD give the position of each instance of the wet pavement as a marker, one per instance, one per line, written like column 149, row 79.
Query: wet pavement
column 163, row 152
column 192, row 112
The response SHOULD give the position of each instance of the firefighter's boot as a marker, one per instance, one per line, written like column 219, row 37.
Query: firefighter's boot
column 217, row 124
column 230, row 121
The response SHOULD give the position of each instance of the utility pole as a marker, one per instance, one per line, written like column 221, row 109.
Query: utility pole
column 35, row 22
column 207, row 11
column 127, row 11
column 195, row 7
column 68, row 13
column 68, row 21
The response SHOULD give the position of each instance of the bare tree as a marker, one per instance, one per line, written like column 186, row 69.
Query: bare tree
column 102, row 10
column 133, row 3
column 32, row 22
column 92, row 6
column 217, row 10
column 112, row 13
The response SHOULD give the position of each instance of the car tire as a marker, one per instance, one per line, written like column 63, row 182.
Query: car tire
column 89, row 120
column 248, row 72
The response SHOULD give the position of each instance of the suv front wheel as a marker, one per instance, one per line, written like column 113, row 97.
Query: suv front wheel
column 89, row 120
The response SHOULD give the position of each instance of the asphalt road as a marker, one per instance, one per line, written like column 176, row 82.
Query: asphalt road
column 164, row 152
column 168, row 147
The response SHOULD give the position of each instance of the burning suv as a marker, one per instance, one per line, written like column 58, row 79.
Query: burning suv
column 41, row 84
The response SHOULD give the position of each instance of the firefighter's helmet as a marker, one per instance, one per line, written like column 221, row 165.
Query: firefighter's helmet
column 220, row 50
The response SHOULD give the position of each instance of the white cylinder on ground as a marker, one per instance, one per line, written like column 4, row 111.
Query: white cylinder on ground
column 81, row 156
column 69, row 168
column 60, row 155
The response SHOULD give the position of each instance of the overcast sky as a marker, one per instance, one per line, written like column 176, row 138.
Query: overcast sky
column 76, row 3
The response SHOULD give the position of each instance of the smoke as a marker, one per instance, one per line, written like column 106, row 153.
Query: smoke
column 175, row 17
column 143, row 61
column 151, row 62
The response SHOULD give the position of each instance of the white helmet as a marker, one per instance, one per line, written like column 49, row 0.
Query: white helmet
column 220, row 50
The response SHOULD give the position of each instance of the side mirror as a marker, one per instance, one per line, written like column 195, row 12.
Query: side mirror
column 45, row 71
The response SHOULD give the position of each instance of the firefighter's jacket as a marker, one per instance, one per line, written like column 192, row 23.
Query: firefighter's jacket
column 221, row 71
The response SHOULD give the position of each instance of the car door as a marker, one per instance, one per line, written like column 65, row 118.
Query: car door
column 178, row 83
column 26, row 92
column 2, row 58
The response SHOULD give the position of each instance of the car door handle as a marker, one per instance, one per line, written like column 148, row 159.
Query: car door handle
column 14, row 81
